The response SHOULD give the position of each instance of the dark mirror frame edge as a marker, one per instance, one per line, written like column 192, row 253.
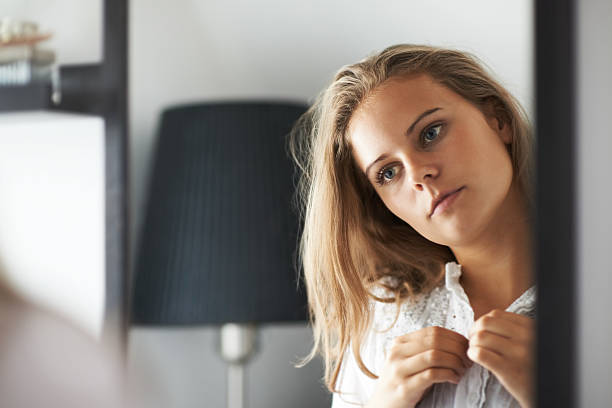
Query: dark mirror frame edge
column 555, row 226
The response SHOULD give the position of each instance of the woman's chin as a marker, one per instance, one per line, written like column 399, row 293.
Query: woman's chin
column 456, row 232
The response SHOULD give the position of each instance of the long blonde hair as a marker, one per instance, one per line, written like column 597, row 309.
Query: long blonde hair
column 350, row 240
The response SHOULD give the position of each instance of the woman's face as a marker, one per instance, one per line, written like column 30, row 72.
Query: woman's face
column 416, row 140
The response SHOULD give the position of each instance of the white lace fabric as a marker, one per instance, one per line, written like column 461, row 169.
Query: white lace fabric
column 445, row 306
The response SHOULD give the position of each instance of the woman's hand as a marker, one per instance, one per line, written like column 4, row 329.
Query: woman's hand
column 415, row 362
column 502, row 342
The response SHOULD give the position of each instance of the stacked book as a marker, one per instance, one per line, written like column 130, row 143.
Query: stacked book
column 21, row 60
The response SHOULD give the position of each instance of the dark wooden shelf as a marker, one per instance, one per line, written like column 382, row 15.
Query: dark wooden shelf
column 25, row 97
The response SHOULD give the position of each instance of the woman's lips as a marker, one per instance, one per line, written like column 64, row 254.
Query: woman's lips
column 446, row 202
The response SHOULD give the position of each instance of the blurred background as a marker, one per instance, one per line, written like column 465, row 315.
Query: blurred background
column 189, row 52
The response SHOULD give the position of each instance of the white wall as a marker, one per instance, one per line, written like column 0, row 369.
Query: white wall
column 594, row 201
column 76, row 26
column 188, row 50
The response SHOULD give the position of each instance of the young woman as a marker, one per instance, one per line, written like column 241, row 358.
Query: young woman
column 416, row 195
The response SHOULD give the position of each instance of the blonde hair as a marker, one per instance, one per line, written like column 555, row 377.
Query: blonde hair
column 350, row 240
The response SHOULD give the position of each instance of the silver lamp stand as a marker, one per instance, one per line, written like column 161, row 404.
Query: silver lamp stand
column 237, row 347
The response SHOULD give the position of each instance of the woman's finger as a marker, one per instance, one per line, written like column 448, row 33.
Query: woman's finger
column 434, row 337
column 501, row 345
column 487, row 358
column 430, row 359
column 426, row 378
column 513, row 317
column 512, row 328
column 433, row 332
column 430, row 340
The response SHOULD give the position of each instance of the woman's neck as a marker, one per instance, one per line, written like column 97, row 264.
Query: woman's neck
column 497, row 267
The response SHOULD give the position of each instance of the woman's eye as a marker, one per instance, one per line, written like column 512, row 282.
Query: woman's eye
column 389, row 173
column 386, row 175
column 432, row 133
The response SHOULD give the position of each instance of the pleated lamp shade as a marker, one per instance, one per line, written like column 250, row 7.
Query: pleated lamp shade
column 219, row 240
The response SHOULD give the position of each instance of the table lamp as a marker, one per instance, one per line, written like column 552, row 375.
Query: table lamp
column 219, row 240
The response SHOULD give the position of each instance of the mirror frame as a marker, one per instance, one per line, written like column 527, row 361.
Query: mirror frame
column 555, row 226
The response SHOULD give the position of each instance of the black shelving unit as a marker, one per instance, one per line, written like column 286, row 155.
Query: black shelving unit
column 99, row 89
column 26, row 97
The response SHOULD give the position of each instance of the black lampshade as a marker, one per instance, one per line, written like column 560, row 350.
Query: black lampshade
column 219, row 238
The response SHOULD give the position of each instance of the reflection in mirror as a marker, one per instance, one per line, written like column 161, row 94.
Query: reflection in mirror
column 417, row 199
column 465, row 251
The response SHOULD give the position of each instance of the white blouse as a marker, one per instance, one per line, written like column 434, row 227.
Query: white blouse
column 446, row 306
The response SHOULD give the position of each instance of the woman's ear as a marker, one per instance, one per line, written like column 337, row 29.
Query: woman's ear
column 498, row 119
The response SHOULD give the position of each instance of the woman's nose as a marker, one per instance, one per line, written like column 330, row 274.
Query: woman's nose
column 420, row 171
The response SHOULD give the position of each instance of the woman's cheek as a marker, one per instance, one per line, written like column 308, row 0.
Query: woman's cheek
column 398, row 208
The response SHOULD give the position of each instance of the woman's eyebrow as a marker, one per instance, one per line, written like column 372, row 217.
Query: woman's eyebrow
column 381, row 157
column 410, row 130
column 421, row 116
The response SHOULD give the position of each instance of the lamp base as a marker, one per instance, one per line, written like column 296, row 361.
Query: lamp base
column 237, row 347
